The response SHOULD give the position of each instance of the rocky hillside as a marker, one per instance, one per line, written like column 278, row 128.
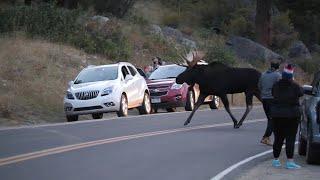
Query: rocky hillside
column 42, row 47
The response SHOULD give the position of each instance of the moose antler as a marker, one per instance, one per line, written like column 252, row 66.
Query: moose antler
column 192, row 58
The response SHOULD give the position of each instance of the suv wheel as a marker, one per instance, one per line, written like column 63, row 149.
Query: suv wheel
column 302, row 148
column 214, row 104
column 311, row 155
column 97, row 115
column 190, row 101
column 146, row 105
column 71, row 118
column 123, row 111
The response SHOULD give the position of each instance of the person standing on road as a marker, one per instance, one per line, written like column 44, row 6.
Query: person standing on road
column 285, row 113
column 266, row 82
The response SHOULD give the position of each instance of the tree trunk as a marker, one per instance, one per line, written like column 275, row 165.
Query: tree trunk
column 263, row 22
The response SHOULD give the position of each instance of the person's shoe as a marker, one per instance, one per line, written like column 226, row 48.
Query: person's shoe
column 276, row 163
column 292, row 165
column 266, row 141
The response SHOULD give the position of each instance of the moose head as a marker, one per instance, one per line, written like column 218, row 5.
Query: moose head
column 189, row 75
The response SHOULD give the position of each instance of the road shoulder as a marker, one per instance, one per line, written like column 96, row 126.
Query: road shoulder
column 265, row 171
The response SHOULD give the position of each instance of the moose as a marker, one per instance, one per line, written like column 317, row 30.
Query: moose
column 219, row 79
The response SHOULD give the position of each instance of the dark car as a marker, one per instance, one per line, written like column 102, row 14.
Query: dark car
column 309, row 134
column 166, row 94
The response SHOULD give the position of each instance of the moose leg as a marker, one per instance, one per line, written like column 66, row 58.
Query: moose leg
column 200, row 100
column 225, row 102
column 249, row 97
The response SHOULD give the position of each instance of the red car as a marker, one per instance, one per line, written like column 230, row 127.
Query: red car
column 166, row 94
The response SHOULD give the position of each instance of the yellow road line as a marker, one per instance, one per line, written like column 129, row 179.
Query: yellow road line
column 61, row 149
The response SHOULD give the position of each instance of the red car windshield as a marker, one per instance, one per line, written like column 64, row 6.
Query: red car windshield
column 168, row 71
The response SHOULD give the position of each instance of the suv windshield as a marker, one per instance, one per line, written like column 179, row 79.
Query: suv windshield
column 97, row 74
column 165, row 72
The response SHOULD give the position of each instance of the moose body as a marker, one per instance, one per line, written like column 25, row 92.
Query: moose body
column 219, row 79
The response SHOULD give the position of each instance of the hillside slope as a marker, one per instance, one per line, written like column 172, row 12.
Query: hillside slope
column 33, row 79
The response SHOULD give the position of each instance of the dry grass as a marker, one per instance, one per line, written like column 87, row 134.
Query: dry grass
column 34, row 76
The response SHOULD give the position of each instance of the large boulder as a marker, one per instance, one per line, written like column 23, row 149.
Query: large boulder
column 156, row 30
column 176, row 35
column 247, row 49
column 299, row 50
column 101, row 20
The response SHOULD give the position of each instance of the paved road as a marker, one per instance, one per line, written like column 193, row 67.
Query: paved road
column 156, row 147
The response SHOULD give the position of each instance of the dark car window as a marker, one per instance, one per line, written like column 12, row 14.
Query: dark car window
column 164, row 72
column 141, row 72
column 124, row 71
column 132, row 70
column 97, row 74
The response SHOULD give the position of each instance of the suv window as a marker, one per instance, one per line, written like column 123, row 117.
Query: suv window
column 165, row 72
column 124, row 71
column 132, row 70
column 97, row 74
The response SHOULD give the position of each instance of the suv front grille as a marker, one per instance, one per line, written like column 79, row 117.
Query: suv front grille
column 158, row 93
column 88, row 108
column 87, row 95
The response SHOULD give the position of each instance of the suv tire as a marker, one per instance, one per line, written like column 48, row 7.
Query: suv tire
column 146, row 105
column 123, row 111
column 302, row 148
column 97, row 115
column 190, row 101
column 71, row 118
column 311, row 155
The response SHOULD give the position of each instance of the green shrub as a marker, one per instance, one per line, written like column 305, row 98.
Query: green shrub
column 241, row 23
column 309, row 65
column 283, row 33
column 216, row 50
column 61, row 25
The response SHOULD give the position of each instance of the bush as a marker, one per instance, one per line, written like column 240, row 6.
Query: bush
column 309, row 65
column 241, row 23
column 62, row 25
column 217, row 51
column 283, row 33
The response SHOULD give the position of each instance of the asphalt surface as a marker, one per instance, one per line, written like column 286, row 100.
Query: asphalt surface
column 173, row 152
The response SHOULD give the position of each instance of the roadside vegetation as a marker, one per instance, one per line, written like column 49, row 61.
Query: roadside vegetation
column 44, row 45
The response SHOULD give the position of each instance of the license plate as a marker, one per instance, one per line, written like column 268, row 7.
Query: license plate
column 155, row 100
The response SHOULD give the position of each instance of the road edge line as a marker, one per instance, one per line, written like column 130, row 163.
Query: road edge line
column 225, row 172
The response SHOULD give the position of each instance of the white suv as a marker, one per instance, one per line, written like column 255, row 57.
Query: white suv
column 108, row 88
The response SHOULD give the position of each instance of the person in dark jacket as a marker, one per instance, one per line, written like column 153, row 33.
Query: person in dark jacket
column 266, row 82
column 285, row 113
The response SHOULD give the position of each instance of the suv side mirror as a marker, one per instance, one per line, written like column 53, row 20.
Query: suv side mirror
column 70, row 83
column 128, row 77
column 307, row 89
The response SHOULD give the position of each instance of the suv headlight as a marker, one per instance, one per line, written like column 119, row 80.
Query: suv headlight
column 176, row 86
column 69, row 95
column 107, row 91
